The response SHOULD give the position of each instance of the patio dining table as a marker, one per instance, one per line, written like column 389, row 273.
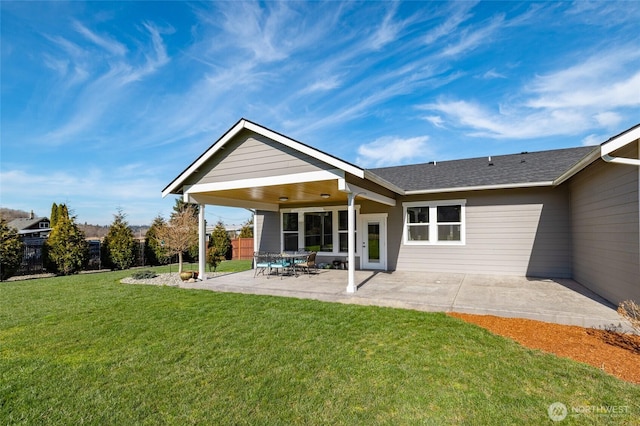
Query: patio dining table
column 294, row 258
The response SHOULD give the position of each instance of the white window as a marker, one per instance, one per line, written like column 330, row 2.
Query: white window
column 321, row 229
column 434, row 222
column 290, row 231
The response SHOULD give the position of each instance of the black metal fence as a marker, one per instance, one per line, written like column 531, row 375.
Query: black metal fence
column 33, row 262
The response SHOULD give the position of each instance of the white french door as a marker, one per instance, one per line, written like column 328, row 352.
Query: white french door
column 374, row 241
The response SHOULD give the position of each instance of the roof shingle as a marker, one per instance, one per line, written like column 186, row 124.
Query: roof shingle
column 514, row 169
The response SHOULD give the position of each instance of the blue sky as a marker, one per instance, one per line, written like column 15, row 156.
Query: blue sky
column 104, row 103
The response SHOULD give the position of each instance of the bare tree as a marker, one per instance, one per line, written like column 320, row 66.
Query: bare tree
column 179, row 234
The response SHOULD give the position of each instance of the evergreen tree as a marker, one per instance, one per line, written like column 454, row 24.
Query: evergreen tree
column 181, row 206
column 120, row 243
column 65, row 251
column 247, row 229
column 54, row 215
column 154, row 251
column 220, row 241
column 11, row 250
column 63, row 211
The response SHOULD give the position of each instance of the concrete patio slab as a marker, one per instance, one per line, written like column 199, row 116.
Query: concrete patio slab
column 559, row 301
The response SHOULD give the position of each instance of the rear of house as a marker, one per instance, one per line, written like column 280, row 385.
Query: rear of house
column 560, row 214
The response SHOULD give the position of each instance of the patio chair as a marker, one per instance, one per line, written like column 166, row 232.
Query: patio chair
column 309, row 263
column 262, row 262
column 278, row 263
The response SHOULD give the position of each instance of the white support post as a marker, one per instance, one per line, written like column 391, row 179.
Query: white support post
column 202, row 244
column 351, row 242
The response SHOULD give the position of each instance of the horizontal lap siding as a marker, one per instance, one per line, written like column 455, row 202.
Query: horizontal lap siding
column 508, row 232
column 605, row 218
column 250, row 156
column 267, row 231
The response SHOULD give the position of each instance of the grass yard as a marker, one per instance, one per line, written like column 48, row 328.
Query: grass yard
column 88, row 350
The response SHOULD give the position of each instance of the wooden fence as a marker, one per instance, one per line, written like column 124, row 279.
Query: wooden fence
column 242, row 248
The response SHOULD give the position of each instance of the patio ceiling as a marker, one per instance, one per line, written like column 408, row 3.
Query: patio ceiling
column 263, row 197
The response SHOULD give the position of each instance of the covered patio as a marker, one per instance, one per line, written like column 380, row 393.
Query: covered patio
column 260, row 170
column 561, row 301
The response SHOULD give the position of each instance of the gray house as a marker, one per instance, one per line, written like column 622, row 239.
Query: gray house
column 566, row 213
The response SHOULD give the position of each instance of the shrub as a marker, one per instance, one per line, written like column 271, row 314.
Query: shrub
column 630, row 311
column 120, row 244
column 143, row 275
column 66, row 251
column 11, row 250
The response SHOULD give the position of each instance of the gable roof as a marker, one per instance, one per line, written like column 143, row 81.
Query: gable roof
column 526, row 169
column 24, row 223
column 176, row 185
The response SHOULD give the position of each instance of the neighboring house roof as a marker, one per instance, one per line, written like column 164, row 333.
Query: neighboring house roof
column 26, row 225
column 500, row 171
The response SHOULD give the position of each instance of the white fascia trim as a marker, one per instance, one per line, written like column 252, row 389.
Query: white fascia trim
column 385, row 184
column 266, row 181
column 356, row 171
column 230, row 202
column 618, row 142
column 204, row 157
column 480, row 188
column 590, row 158
column 365, row 193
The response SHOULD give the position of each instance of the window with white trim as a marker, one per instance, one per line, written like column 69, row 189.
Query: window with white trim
column 321, row 229
column 434, row 222
column 290, row 231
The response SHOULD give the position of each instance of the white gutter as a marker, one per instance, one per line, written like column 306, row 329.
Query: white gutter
column 617, row 143
column 479, row 188
column 621, row 160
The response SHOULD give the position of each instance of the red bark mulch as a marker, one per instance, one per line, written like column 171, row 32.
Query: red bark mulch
column 616, row 353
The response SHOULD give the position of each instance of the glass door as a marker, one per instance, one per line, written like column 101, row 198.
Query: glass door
column 374, row 241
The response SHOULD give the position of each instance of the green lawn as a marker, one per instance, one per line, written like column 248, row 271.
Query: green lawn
column 88, row 350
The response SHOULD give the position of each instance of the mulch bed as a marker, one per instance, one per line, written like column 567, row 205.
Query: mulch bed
column 616, row 353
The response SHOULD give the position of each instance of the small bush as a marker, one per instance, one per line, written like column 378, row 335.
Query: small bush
column 143, row 275
column 630, row 311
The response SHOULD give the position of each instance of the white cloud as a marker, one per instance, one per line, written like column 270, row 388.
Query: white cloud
column 112, row 46
column 591, row 94
column 388, row 30
column 608, row 119
column 511, row 124
column 592, row 139
column 324, row 85
column 388, row 151
column 470, row 40
column 492, row 74
column 436, row 120
column 453, row 20
column 599, row 81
